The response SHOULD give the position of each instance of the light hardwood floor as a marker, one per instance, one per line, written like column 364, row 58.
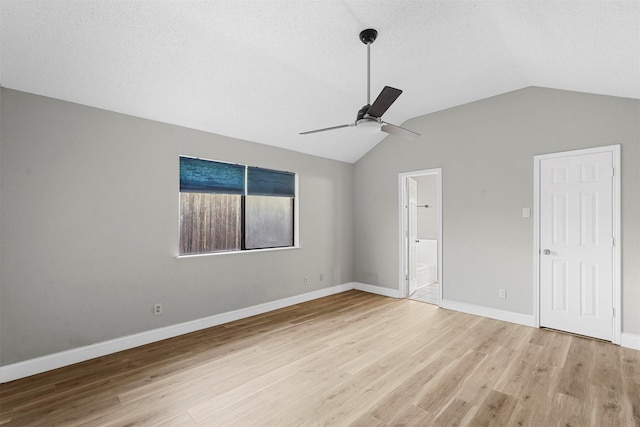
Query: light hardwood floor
column 349, row 359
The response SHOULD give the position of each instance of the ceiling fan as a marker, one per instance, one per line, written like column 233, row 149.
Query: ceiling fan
column 369, row 118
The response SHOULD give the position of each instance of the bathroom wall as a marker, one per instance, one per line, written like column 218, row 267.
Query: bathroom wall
column 427, row 217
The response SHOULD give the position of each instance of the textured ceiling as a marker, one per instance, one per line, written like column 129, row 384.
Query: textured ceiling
column 264, row 71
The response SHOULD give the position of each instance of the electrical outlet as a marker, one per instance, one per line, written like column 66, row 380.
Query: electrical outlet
column 321, row 277
column 157, row 309
column 502, row 293
column 306, row 280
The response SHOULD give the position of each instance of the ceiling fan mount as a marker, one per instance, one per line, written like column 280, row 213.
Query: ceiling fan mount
column 368, row 36
column 369, row 117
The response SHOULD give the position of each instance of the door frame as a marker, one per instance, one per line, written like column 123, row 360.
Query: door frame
column 412, row 234
column 403, row 256
column 617, row 236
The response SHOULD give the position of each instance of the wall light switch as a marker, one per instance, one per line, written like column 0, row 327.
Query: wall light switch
column 526, row 212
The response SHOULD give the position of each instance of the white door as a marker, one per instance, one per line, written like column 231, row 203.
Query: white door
column 576, row 244
column 412, row 233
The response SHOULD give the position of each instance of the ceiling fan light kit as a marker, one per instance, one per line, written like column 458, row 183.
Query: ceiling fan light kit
column 368, row 126
column 369, row 117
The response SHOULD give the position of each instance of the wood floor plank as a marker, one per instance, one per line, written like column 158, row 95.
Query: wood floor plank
column 630, row 365
column 481, row 381
column 425, row 365
column 536, row 397
column 567, row 410
column 439, row 392
column 495, row 410
column 367, row 420
column 556, row 349
column 411, row 416
column 453, row 414
column 518, row 371
column 349, row 359
column 575, row 376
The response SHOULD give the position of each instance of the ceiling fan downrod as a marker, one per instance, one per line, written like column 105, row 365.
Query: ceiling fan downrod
column 367, row 37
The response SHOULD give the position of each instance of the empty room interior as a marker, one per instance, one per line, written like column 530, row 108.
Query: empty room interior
column 285, row 213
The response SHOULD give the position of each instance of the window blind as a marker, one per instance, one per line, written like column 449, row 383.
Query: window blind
column 268, row 182
column 207, row 176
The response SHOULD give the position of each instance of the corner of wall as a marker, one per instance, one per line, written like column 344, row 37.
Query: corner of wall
column 379, row 290
column 492, row 313
column 629, row 340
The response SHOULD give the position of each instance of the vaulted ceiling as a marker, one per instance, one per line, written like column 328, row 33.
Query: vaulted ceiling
column 264, row 70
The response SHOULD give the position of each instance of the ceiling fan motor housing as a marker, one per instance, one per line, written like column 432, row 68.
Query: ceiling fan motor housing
column 362, row 112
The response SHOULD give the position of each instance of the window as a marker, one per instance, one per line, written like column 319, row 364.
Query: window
column 226, row 207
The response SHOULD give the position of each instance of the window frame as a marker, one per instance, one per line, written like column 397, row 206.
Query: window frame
column 243, row 250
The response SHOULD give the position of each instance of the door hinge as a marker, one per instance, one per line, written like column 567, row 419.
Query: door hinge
column 613, row 242
column 613, row 312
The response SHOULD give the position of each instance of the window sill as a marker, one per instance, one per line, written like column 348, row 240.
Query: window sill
column 251, row 251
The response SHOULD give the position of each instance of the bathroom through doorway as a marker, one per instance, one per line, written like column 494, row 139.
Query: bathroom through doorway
column 421, row 235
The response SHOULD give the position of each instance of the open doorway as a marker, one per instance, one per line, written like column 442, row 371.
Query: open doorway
column 420, row 235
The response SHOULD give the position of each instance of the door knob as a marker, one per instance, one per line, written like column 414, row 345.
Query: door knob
column 546, row 252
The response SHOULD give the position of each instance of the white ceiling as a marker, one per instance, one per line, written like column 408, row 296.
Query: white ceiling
column 264, row 71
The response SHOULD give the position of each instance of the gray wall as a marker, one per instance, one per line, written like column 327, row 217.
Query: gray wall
column 89, row 225
column 89, row 214
column 485, row 150
column 427, row 218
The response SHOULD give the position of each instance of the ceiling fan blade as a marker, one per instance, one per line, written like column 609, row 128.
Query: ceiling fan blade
column 387, row 96
column 407, row 134
column 325, row 129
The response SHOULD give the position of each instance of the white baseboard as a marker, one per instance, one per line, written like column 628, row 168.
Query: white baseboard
column 393, row 293
column 626, row 339
column 630, row 340
column 493, row 313
column 69, row 357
